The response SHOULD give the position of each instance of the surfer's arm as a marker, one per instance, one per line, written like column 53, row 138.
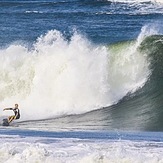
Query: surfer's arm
column 7, row 109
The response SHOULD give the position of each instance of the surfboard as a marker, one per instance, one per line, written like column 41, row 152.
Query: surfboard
column 5, row 122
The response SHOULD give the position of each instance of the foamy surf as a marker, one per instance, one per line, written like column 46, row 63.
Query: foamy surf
column 50, row 149
column 138, row 1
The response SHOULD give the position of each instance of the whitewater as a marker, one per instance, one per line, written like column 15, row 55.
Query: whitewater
column 44, row 149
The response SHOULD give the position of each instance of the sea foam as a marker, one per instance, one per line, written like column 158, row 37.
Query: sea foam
column 49, row 150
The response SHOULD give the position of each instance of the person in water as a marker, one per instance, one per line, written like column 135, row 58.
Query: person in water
column 16, row 112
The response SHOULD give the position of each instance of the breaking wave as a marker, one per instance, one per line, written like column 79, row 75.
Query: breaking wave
column 59, row 76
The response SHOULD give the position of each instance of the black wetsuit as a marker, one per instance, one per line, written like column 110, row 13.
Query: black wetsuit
column 16, row 112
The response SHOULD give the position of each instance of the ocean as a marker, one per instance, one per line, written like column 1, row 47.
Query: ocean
column 88, row 78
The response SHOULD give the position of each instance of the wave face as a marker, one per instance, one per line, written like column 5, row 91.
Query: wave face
column 142, row 109
column 58, row 77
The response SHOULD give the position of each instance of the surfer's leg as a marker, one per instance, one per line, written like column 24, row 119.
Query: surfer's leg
column 11, row 118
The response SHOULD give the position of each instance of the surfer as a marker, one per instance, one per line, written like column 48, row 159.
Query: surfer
column 16, row 112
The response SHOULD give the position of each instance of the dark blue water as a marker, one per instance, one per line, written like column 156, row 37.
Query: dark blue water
column 102, row 21
column 136, row 136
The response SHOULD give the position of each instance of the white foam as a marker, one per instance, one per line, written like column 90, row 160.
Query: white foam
column 63, row 77
column 158, row 1
column 44, row 150
column 34, row 11
column 137, row 1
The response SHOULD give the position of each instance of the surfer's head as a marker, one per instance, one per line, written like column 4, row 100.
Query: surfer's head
column 16, row 105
